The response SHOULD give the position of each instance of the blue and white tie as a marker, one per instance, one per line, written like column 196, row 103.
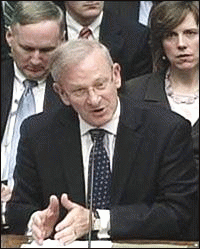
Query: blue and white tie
column 26, row 107
column 102, row 175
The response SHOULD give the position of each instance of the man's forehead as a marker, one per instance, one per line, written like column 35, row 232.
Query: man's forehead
column 37, row 25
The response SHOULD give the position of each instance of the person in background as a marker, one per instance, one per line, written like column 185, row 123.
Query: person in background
column 143, row 10
column 148, row 174
column 175, row 81
column 127, row 42
column 37, row 28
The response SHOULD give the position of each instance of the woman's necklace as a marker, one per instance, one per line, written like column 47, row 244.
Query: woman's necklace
column 179, row 98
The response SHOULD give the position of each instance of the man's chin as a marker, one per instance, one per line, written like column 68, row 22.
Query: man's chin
column 36, row 76
column 98, row 121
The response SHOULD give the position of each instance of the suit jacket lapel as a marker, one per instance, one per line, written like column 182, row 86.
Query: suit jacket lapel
column 111, row 34
column 71, row 145
column 127, row 143
column 7, row 79
column 51, row 99
column 156, row 90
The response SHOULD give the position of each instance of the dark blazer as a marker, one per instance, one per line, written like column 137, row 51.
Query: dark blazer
column 153, row 176
column 51, row 99
column 151, row 89
column 127, row 9
column 4, row 46
column 128, row 44
column 136, row 8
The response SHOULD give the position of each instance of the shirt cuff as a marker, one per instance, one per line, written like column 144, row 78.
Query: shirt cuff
column 29, row 226
column 104, row 224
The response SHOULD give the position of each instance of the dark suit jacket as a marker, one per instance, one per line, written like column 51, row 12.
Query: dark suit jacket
column 153, row 176
column 127, row 9
column 151, row 89
column 127, row 43
column 51, row 99
column 4, row 45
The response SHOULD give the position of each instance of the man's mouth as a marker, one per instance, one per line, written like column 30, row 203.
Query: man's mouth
column 98, row 110
column 35, row 69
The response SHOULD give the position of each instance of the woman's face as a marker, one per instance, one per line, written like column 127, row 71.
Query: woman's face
column 181, row 45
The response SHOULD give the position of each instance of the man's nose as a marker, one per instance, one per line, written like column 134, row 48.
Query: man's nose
column 93, row 98
column 36, row 57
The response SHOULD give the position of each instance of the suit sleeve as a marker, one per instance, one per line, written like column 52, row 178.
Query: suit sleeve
column 27, row 189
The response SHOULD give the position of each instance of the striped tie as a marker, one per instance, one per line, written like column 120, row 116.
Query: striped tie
column 85, row 33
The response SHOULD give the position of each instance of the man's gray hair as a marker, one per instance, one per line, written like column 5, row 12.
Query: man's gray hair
column 73, row 52
column 31, row 12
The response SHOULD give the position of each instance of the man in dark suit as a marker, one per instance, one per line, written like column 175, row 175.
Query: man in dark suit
column 36, row 30
column 127, row 41
column 149, row 154
column 141, row 10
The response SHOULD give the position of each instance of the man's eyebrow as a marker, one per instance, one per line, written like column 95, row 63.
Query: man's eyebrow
column 50, row 48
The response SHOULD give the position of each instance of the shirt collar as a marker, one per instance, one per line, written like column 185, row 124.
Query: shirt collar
column 20, row 77
column 77, row 27
column 110, row 127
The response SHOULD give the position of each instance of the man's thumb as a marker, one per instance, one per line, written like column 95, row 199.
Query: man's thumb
column 53, row 204
column 66, row 202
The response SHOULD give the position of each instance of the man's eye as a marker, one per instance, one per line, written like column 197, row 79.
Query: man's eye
column 46, row 50
column 28, row 49
column 78, row 92
column 100, row 85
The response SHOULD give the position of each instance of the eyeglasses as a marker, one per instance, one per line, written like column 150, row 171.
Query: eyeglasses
column 98, row 88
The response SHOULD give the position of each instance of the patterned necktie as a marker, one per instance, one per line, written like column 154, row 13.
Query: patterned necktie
column 8, row 11
column 102, row 174
column 26, row 107
column 85, row 33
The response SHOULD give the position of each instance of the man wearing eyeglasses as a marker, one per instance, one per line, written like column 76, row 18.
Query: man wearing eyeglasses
column 149, row 153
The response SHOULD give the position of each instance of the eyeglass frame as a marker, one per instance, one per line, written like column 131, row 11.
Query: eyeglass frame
column 85, row 92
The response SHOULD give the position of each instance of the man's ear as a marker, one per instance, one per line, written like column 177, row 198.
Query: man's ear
column 63, row 95
column 9, row 37
column 117, row 75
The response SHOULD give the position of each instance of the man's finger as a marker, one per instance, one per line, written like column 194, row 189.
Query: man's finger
column 53, row 204
column 36, row 233
column 67, row 203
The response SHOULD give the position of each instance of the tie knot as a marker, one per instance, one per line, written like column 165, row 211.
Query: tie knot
column 97, row 134
column 30, row 83
column 85, row 33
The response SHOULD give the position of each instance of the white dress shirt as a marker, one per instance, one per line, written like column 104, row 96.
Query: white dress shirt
column 74, row 28
column 18, row 89
column 145, row 7
column 109, row 142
